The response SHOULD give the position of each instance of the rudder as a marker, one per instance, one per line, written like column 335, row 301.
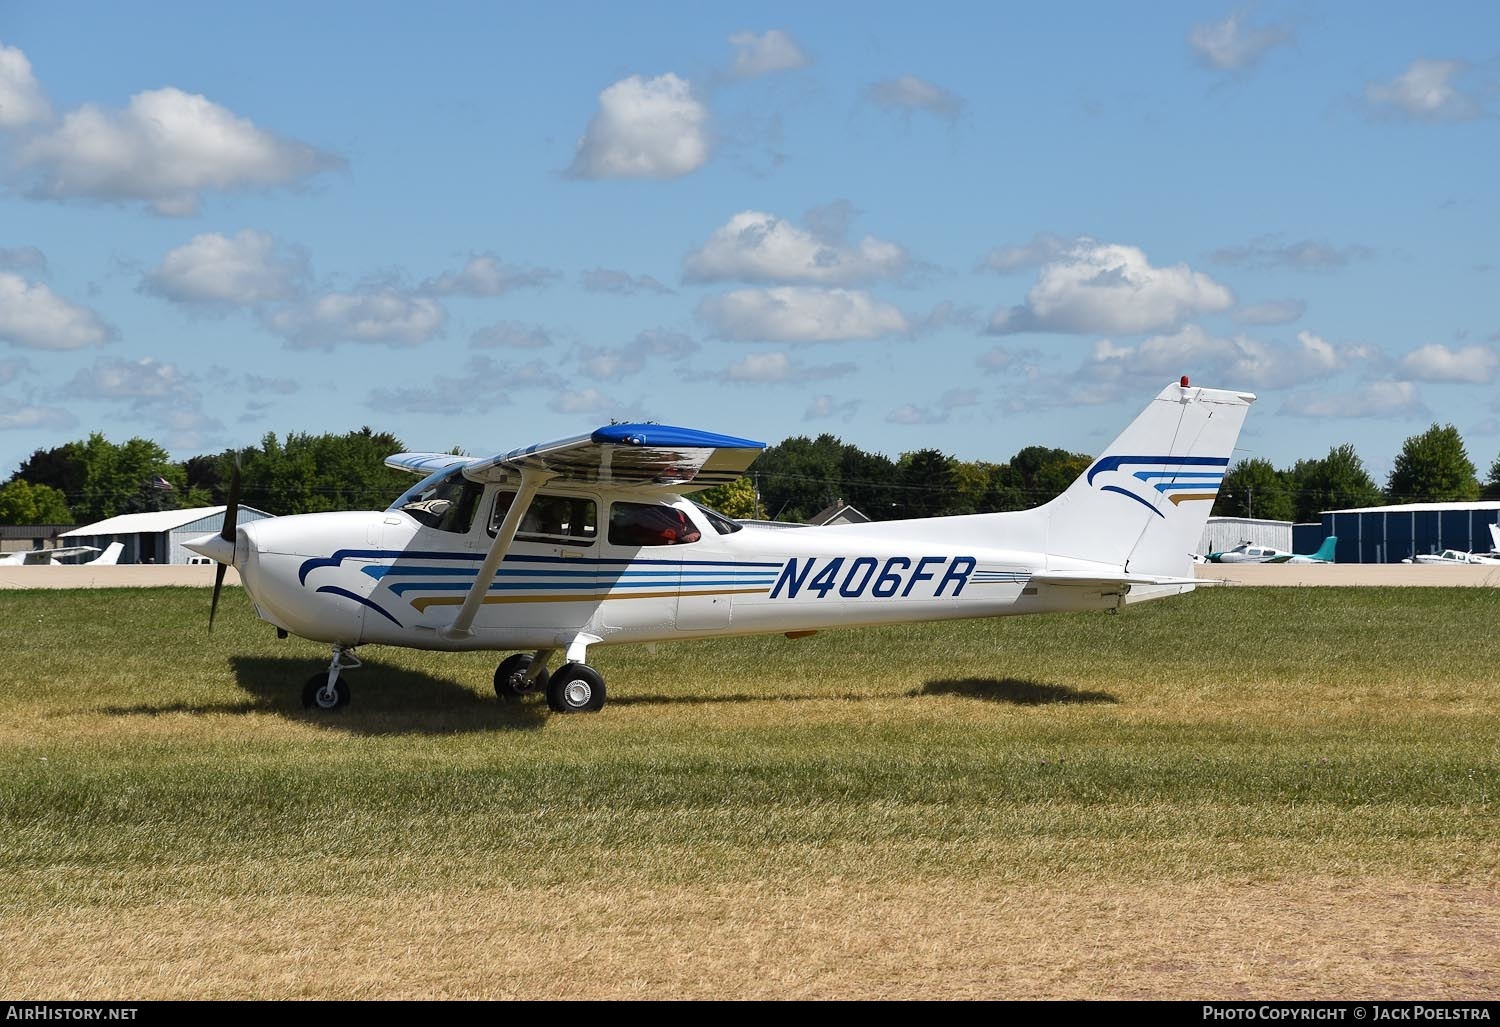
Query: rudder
column 1142, row 505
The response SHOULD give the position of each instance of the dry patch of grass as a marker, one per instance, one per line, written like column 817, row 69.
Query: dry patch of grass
column 1376, row 938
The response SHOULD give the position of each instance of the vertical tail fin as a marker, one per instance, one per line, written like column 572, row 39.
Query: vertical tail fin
column 1325, row 551
column 111, row 555
column 1143, row 503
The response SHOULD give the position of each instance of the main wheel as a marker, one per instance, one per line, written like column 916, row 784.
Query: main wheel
column 576, row 688
column 510, row 677
column 316, row 695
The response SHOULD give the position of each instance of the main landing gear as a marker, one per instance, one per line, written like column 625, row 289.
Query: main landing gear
column 574, row 688
column 325, row 691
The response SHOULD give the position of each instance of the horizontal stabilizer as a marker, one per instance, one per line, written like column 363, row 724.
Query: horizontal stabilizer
column 1091, row 579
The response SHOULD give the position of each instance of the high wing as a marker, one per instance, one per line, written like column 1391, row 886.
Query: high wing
column 638, row 456
column 424, row 463
column 643, row 457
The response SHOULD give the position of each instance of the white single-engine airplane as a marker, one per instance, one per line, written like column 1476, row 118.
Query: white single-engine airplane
column 49, row 557
column 589, row 541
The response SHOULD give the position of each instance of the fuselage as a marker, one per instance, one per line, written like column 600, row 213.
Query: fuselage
column 622, row 567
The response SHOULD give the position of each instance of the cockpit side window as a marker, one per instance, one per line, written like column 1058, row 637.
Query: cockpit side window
column 446, row 501
column 643, row 524
column 573, row 520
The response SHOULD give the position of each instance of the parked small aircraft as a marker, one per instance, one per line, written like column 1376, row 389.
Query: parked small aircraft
column 1452, row 558
column 589, row 540
column 48, row 557
column 1249, row 552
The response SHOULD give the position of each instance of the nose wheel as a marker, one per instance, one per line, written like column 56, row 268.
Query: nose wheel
column 316, row 695
column 325, row 691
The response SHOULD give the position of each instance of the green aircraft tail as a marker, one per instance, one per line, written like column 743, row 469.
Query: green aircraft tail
column 1325, row 551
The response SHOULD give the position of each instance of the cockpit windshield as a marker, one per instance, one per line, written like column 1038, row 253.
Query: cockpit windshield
column 723, row 525
column 445, row 501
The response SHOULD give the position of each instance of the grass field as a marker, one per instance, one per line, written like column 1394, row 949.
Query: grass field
column 1244, row 792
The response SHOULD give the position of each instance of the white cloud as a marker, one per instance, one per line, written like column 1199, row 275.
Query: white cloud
column 34, row 316
column 140, row 380
column 166, row 148
column 1474, row 365
column 779, row 368
column 582, row 401
column 487, row 275
column 510, row 335
column 936, row 413
column 218, row 271
column 605, row 280
column 22, row 101
column 20, row 416
column 824, row 406
column 157, row 392
column 1270, row 312
column 1269, row 251
column 1233, row 45
column 615, row 364
column 1233, row 362
column 532, row 375
column 773, row 51
column 908, row 95
column 1000, row 360
column 1377, row 399
column 1043, row 248
column 1424, row 92
column 459, row 395
column 800, row 314
column 644, row 128
column 610, row 364
column 1110, row 288
column 385, row 315
column 12, row 368
column 758, row 247
column 279, row 386
column 22, row 258
column 909, row 413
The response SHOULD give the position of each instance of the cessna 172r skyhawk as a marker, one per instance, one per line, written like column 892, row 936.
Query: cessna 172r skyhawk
column 589, row 541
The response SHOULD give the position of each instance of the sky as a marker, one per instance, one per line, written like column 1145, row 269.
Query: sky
column 970, row 227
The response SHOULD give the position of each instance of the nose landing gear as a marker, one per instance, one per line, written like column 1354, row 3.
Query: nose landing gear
column 326, row 691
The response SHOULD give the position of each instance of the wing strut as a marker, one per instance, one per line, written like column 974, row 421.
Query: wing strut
column 531, row 480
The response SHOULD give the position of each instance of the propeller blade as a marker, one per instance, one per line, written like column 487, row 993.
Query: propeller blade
column 218, row 584
column 232, row 514
column 231, row 521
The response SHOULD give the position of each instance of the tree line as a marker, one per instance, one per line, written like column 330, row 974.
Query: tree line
column 93, row 478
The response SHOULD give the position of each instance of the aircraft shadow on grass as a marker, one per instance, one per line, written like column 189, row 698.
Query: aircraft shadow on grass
column 1013, row 691
column 387, row 700
column 391, row 700
column 734, row 697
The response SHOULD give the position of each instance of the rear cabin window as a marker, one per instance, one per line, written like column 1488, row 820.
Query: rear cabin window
column 569, row 519
column 641, row 524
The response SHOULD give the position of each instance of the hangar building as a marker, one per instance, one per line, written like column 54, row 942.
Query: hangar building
column 1390, row 534
column 157, row 537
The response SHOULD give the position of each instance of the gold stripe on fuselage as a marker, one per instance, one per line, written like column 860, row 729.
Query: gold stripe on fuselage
column 421, row 603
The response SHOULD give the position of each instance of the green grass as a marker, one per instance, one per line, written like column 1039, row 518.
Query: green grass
column 1232, row 735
